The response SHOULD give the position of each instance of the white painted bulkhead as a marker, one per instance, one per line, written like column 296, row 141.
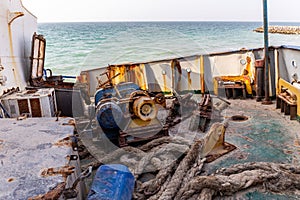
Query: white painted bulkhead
column 289, row 61
column 17, row 25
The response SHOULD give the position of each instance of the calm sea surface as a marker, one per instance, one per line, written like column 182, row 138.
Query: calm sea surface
column 72, row 47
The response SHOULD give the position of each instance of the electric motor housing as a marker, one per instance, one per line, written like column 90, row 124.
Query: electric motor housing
column 109, row 115
column 110, row 109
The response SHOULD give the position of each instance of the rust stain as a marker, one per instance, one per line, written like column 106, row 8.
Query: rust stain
column 143, row 75
column 286, row 151
column 202, row 81
column 15, row 72
column 10, row 180
column 64, row 142
column 139, row 75
column 65, row 171
column 53, row 194
column 114, row 70
column 71, row 122
column 189, row 80
column 296, row 143
column 165, row 82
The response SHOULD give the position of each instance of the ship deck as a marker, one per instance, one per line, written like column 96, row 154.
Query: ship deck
column 267, row 135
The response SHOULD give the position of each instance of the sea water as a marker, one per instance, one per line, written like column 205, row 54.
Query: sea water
column 73, row 47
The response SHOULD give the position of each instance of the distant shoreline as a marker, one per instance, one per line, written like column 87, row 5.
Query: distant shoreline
column 280, row 29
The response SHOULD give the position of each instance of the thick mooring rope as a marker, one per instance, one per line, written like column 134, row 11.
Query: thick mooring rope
column 180, row 172
column 162, row 189
column 164, row 140
column 184, row 180
column 274, row 177
column 194, row 171
column 153, row 186
column 165, row 149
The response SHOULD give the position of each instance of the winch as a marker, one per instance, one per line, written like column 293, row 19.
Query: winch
column 127, row 114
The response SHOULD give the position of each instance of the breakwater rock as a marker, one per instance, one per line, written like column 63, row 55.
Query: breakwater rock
column 280, row 29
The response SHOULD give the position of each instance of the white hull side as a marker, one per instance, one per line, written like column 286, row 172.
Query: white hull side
column 15, row 39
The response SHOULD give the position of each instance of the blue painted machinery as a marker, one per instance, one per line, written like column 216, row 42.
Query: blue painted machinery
column 127, row 114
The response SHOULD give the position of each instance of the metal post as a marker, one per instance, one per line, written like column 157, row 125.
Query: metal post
column 266, row 47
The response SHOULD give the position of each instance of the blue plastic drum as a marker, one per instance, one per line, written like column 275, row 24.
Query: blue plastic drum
column 112, row 182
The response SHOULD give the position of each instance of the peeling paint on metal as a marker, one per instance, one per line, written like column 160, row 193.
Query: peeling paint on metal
column 64, row 142
column 65, row 171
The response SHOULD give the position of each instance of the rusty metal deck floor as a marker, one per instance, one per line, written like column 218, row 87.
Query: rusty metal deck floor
column 26, row 148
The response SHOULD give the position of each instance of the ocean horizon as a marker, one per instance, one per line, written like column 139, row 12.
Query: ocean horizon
column 76, row 46
column 162, row 21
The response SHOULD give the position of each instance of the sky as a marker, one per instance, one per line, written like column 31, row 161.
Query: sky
column 161, row 10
